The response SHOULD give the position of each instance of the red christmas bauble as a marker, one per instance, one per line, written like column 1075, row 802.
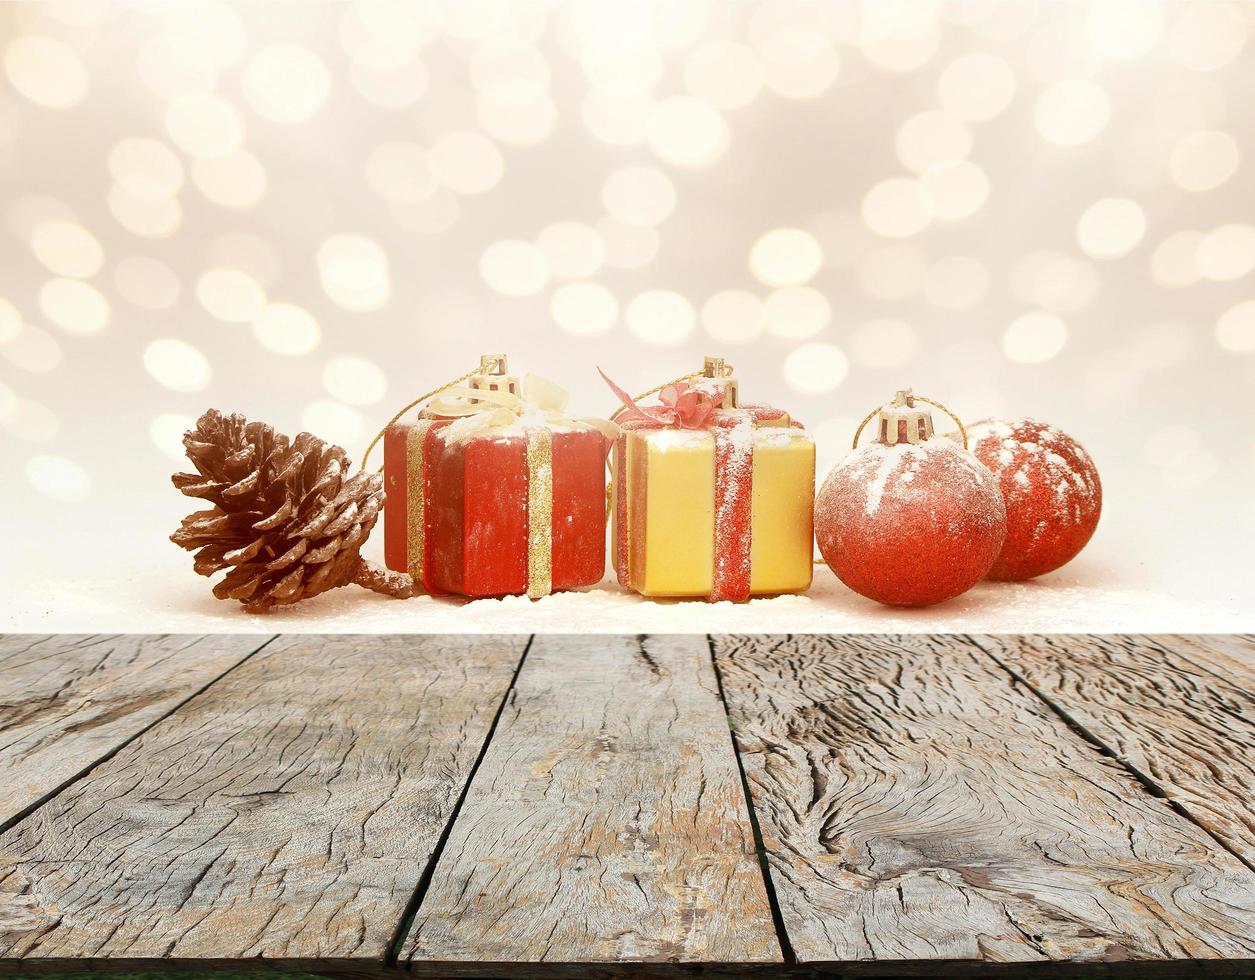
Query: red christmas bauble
column 1051, row 489
column 910, row 523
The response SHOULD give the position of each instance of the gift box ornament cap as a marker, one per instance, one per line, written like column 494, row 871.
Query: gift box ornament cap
column 717, row 367
column 493, row 375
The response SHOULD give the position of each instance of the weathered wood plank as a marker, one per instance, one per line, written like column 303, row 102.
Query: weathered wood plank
column 1166, row 706
column 66, row 702
column 918, row 805
column 1229, row 654
column 606, row 825
column 287, row 814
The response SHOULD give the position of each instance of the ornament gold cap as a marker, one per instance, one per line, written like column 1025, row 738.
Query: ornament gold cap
column 492, row 375
column 903, row 419
column 717, row 367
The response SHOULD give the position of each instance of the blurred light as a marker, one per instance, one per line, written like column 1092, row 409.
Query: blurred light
column 723, row 73
column 514, row 267
column 572, row 250
column 285, row 328
column 166, row 432
column 516, row 124
column 230, row 295
column 628, row 246
column 954, row 191
column 930, row 138
column 1123, row 29
column 796, row 312
column 396, row 87
column 618, row 118
column 353, row 270
column 623, row 69
column 46, row 71
column 241, row 250
column 10, row 321
column 1174, row 262
column 335, row 422
column 1034, row 338
column 509, row 73
column 237, row 180
column 956, row 282
column 1226, row 253
column 466, row 162
column 1111, row 228
column 733, row 316
column 145, row 168
column 354, row 380
column 148, row 217
column 883, row 344
column 204, row 125
column 27, row 420
column 1053, row 53
column 638, row 195
column 976, row 86
column 1207, row 36
column 816, row 368
column 66, row 248
column 1204, row 160
column 215, row 27
column 1235, row 329
column 661, row 317
column 895, row 208
column 285, row 82
column 432, row 216
column 892, row 272
column 177, row 365
column 997, row 20
column 399, row 173
column 898, row 38
column 32, row 349
column 29, row 211
column 799, row 64
column 58, row 478
column 785, row 257
column 686, row 132
column 146, row 283
column 1054, row 281
column 171, row 65
column 1072, row 112
column 74, row 306
column 386, row 33
column 585, row 309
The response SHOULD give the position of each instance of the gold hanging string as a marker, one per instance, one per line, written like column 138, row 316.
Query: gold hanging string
column 417, row 401
column 919, row 398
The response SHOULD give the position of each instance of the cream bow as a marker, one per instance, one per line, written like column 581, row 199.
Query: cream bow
column 543, row 403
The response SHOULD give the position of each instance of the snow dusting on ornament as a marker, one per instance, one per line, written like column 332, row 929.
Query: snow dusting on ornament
column 910, row 524
column 1051, row 489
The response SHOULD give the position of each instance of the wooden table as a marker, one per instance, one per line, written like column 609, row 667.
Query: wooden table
column 595, row 806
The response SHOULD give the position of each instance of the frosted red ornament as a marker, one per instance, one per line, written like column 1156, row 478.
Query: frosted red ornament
column 911, row 519
column 1051, row 489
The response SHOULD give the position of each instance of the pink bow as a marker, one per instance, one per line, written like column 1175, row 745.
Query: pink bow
column 683, row 406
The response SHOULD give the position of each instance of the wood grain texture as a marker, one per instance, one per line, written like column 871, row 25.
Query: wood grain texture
column 1173, row 708
column 607, row 823
column 918, row 805
column 286, row 814
column 66, row 702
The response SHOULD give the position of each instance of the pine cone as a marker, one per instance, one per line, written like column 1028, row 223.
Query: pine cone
column 285, row 520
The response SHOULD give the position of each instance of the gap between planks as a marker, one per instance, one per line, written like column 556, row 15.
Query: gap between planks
column 1151, row 785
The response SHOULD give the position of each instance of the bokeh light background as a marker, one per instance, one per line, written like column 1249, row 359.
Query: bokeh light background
column 310, row 212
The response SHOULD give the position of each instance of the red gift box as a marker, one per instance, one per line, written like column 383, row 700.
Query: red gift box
column 505, row 511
